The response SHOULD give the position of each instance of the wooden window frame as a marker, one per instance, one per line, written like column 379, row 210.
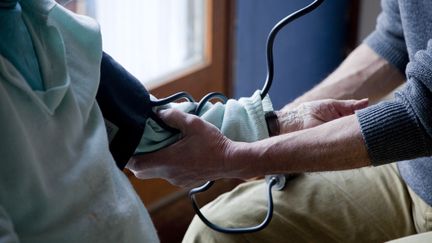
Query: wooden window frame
column 214, row 74
column 168, row 205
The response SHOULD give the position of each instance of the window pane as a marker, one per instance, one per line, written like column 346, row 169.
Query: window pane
column 153, row 39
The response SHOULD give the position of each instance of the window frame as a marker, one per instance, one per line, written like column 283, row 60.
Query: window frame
column 214, row 74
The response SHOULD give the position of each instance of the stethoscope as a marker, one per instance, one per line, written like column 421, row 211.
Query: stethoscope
column 276, row 182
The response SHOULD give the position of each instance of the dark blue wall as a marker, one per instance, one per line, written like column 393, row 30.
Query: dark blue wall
column 306, row 51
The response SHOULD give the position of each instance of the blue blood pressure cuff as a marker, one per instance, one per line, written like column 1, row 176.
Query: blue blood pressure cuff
column 125, row 105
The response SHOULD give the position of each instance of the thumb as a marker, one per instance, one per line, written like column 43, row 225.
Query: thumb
column 360, row 104
column 174, row 118
column 348, row 107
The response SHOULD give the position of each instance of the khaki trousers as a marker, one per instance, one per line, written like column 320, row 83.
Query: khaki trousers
column 364, row 205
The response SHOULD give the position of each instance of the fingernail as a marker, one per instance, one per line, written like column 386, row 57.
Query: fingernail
column 362, row 101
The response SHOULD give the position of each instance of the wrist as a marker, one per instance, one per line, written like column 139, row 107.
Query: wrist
column 241, row 162
column 289, row 121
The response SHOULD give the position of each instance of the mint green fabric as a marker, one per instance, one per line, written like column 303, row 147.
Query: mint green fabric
column 7, row 233
column 58, row 180
column 17, row 46
column 239, row 120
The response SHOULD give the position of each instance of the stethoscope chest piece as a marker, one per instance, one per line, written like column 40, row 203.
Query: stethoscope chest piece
column 280, row 181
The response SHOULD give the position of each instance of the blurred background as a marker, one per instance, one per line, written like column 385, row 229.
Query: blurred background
column 219, row 45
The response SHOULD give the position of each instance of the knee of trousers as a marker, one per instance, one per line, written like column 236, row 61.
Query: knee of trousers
column 245, row 206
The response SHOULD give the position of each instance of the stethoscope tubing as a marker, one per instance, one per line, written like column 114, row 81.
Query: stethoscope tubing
column 274, row 181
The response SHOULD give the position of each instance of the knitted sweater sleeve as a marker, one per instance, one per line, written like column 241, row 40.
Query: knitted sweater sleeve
column 388, row 38
column 7, row 233
column 239, row 120
column 402, row 128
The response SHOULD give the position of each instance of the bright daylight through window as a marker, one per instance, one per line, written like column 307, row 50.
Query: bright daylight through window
column 153, row 39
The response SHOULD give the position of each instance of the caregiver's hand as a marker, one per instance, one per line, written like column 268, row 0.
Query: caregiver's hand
column 314, row 113
column 199, row 156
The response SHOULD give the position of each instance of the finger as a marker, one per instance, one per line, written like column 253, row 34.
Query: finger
column 150, row 163
column 348, row 107
column 193, row 184
column 360, row 104
column 146, row 174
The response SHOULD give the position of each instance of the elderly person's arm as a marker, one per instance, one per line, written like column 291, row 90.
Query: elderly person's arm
column 389, row 131
column 363, row 74
column 205, row 154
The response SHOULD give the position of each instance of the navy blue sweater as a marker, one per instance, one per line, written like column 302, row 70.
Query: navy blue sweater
column 401, row 129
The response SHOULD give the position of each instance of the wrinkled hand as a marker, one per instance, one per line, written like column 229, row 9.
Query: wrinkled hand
column 199, row 156
column 314, row 113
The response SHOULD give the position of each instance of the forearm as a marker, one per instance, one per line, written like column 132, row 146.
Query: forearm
column 335, row 145
column 363, row 74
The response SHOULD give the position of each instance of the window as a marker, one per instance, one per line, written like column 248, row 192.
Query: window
column 169, row 45
column 154, row 39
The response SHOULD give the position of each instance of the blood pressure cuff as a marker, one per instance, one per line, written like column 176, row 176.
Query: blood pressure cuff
column 130, row 123
column 125, row 105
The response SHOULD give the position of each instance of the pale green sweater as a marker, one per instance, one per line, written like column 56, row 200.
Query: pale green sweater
column 58, row 180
